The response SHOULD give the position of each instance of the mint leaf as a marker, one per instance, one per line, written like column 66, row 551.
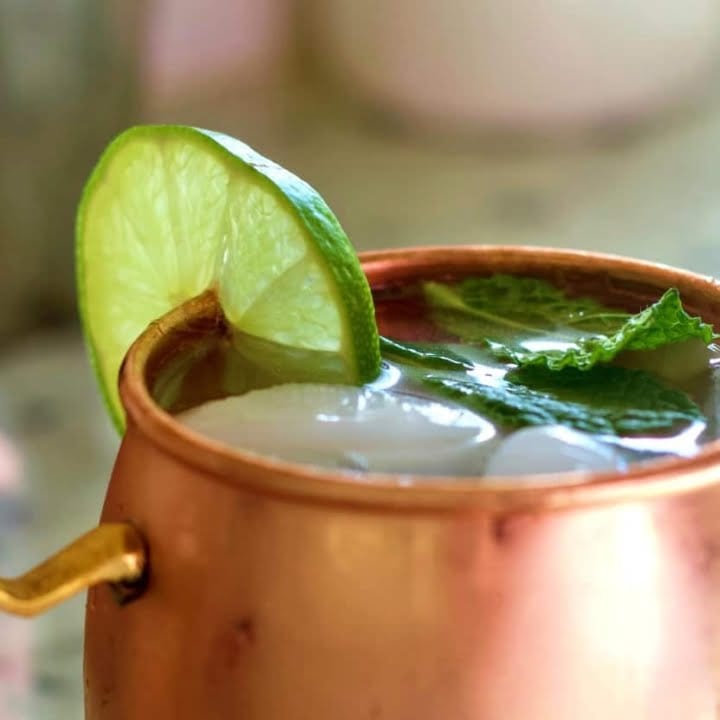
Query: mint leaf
column 663, row 323
column 530, row 322
column 605, row 399
column 507, row 306
column 434, row 357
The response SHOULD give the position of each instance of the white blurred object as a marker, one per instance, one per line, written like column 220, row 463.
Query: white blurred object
column 521, row 64
column 16, row 677
column 10, row 465
column 552, row 449
column 15, row 633
column 349, row 427
column 193, row 46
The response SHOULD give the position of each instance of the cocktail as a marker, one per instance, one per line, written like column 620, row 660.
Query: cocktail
column 251, row 584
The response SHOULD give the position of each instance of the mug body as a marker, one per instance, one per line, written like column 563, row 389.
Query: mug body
column 283, row 591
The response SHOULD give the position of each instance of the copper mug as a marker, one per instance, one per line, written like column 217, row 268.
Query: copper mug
column 255, row 589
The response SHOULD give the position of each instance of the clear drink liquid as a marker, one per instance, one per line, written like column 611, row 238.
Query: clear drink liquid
column 240, row 393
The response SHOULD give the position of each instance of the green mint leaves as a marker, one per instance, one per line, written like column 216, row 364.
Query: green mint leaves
column 424, row 355
column 605, row 400
column 555, row 353
column 531, row 323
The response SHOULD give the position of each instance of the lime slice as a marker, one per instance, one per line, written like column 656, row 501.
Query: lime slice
column 172, row 211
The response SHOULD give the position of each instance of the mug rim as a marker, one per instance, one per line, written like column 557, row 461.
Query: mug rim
column 300, row 482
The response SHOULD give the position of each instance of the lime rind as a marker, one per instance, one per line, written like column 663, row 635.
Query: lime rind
column 170, row 211
column 328, row 238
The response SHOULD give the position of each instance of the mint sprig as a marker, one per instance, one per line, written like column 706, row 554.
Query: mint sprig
column 557, row 352
column 605, row 400
column 529, row 322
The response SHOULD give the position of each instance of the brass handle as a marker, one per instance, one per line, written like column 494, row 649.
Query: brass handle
column 113, row 552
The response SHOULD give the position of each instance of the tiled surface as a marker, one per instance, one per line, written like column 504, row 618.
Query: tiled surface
column 654, row 196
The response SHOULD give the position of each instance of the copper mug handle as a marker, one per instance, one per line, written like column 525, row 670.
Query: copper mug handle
column 112, row 552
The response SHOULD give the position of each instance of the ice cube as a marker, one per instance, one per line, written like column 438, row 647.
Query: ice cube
column 677, row 362
column 552, row 449
column 349, row 427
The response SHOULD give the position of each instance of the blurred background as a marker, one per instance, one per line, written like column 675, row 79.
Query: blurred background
column 591, row 124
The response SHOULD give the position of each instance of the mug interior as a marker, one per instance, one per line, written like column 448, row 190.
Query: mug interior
column 157, row 363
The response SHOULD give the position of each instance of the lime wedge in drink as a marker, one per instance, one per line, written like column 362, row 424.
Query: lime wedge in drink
column 170, row 212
